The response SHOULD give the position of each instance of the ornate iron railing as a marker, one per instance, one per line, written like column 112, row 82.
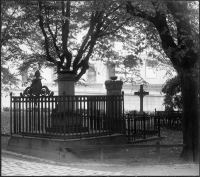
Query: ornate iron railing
column 66, row 116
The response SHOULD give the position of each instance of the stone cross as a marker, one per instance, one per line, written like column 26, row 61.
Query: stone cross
column 141, row 93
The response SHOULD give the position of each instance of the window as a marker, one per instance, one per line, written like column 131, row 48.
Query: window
column 91, row 76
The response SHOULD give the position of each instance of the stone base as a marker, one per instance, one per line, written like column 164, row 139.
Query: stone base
column 66, row 119
column 57, row 149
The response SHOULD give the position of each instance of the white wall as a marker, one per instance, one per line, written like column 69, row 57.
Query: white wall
column 131, row 101
column 150, row 102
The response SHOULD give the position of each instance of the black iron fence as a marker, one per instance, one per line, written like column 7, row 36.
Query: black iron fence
column 141, row 126
column 170, row 119
column 67, row 116
column 78, row 116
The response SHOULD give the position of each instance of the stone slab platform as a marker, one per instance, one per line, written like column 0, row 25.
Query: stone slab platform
column 56, row 148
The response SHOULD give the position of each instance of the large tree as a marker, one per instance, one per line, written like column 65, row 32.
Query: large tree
column 175, row 29
column 60, row 23
column 50, row 30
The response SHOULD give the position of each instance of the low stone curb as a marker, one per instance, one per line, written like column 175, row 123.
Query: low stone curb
column 58, row 163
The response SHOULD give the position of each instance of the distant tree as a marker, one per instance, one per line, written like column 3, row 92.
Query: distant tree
column 17, row 28
column 175, row 32
column 9, row 43
column 8, row 80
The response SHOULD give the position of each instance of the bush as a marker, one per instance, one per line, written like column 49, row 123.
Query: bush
column 172, row 91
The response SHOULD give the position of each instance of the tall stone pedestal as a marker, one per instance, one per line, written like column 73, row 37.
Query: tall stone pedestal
column 64, row 117
column 66, row 81
column 113, row 86
column 114, row 107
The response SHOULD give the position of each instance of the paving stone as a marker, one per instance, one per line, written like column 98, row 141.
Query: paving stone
column 17, row 164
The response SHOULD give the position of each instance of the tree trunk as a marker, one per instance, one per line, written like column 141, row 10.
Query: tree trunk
column 189, row 88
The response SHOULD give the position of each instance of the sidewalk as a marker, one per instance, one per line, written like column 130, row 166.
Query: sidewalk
column 15, row 164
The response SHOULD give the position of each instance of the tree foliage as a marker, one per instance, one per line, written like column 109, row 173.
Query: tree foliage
column 51, row 29
column 10, row 40
column 17, row 28
column 8, row 80
column 60, row 22
column 129, row 66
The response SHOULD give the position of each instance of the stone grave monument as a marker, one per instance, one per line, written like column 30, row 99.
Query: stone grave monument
column 141, row 93
column 65, row 115
column 113, row 109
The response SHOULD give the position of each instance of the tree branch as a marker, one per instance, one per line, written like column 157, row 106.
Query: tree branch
column 84, row 63
column 54, row 40
column 115, row 9
column 41, row 24
column 84, row 66
column 81, row 50
column 65, row 33
column 113, row 32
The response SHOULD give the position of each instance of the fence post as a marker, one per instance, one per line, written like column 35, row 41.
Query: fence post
column 64, row 117
column 10, row 113
column 134, row 118
column 144, row 137
column 14, row 115
column 128, row 127
column 123, row 119
column 158, row 151
column 158, row 126
column 101, row 151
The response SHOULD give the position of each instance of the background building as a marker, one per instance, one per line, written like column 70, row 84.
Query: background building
column 99, row 72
